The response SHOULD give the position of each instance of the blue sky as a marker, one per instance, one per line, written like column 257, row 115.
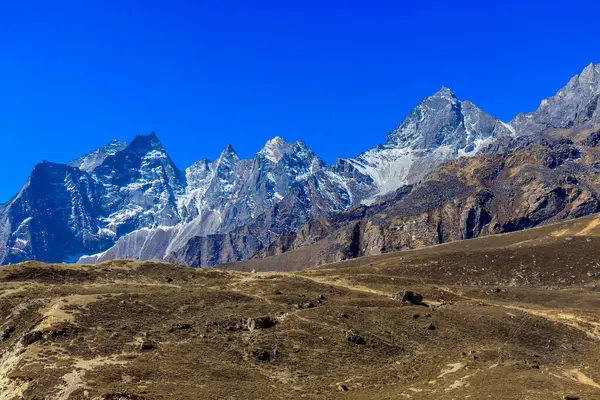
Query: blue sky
column 337, row 74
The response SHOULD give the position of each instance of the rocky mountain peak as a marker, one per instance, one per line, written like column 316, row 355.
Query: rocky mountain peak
column 146, row 143
column 444, row 93
column 573, row 106
column 90, row 161
column 274, row 149
column 436, row 121
column 197, row 174
column 228, row 157
column 590, row 73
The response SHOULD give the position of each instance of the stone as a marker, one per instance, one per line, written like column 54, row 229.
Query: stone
column 260, row 354
column 5, row 334
column 31, row 337
column 408, row 297
column 431, row 327
column 355, row 337
column 342, row 388
column 147, row 345
column 260, row 323
column 179, row 326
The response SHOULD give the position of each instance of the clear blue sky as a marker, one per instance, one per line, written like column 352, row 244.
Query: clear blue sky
column 337, row 74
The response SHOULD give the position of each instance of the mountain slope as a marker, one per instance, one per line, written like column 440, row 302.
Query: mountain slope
column 439, row 129
column 246, row 193
column 515, row 314
column 64, row 211
column 574, row 106
column 515, row 184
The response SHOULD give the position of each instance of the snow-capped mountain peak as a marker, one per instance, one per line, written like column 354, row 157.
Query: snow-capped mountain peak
column 93, row 159
column 439, row 129
column 274, row 149
column 132, row 196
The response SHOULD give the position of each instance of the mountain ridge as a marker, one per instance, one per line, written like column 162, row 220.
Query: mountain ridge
column 135, row 197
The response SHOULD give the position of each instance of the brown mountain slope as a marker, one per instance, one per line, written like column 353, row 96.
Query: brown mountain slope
column 516, row 184
column 512, row 316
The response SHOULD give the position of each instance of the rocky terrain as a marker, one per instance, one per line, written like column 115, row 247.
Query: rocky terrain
column 514, row 184
column 511, row 316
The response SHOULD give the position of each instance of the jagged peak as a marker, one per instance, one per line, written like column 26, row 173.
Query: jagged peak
column 91, row 160
column 229, row 150
column 228, row 156
column 200, row 164
column 590, row 71
column 150, row 140
column 274, row 149
column 444, row 92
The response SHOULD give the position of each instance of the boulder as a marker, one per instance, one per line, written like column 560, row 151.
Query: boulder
column 31, row 338
column 355, row 337
column 408, row 297
column 5, row 334
column 176, row 327
column 147, row 345
column 260, row 323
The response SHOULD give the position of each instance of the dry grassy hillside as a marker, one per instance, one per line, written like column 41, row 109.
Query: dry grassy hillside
column 513, row 316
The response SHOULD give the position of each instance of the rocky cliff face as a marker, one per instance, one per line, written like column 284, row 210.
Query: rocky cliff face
column 53, row 216
column 515, row 184
column 67, row 210
column 574, row 106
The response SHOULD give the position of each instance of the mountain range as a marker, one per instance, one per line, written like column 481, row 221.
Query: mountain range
column 449, row 171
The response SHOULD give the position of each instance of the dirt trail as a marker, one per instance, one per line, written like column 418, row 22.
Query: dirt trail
column 55, row 312
column 580, row 377
column 589, row 327
column 339, row 282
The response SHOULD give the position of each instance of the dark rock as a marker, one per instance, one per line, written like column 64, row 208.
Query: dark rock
column 179, row 326
column 355, row 337
column 431, row 327
column 342, row 388
column 305, row 306
column 408, row 297
column 147, row 345
column 168, row 279
column 5, row 334
column 62, row 332
column 570, row 397
column 260, row 323
column 592, row 139
column 260, row 354
column 121, row 396
column 32, row 337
